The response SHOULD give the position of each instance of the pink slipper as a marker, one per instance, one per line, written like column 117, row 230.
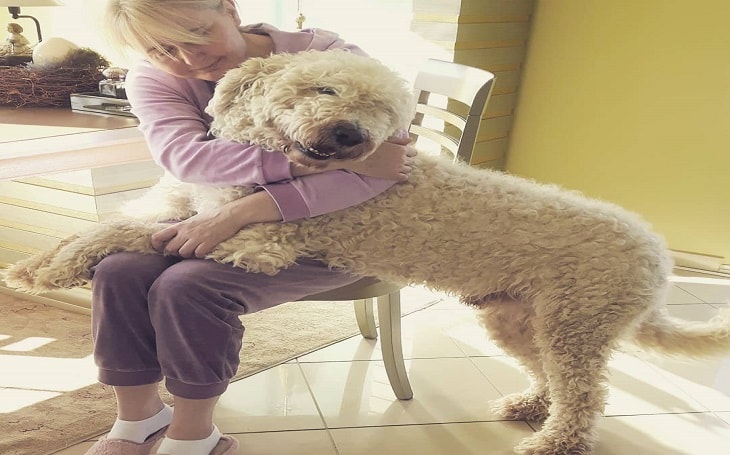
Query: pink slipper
column 106, row 446
column 227, row 445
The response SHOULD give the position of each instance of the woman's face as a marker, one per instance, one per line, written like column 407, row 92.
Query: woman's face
column 225, row 50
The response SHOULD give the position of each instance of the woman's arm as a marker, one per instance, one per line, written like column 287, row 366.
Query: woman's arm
column 175, row 127
column 176, row 132
column 306, row 196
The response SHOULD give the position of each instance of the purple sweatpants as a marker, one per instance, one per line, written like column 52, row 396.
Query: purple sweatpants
column 156, row 317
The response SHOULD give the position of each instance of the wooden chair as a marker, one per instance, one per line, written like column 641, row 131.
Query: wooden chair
column 471, row 87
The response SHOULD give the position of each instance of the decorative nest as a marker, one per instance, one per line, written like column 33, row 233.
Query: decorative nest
column 43, row 86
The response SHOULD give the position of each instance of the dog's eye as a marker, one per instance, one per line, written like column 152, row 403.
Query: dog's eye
column 326, row 91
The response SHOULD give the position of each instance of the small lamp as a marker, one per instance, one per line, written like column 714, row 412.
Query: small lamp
column 14, row 10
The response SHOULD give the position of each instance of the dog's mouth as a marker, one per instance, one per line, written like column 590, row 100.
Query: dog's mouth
column 314, row 153
column 338, row 140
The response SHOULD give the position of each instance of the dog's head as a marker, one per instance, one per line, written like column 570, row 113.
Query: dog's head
column 313, row 106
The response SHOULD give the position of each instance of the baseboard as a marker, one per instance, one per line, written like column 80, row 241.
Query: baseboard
column 698, row 261
column 689, row 271
column 75, row 300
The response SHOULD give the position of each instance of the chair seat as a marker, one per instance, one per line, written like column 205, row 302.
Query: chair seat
column 364, row 288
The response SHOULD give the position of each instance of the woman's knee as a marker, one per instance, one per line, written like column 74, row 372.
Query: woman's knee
column 130, row 269
column 120, row 284
column 192, row 282
column 188, row 298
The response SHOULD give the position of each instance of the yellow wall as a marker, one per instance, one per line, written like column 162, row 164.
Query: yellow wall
column 629, row 101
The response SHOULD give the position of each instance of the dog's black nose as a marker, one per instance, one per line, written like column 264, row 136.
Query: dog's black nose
column 348, row 135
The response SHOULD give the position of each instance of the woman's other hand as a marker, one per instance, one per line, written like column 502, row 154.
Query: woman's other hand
column 392, row 160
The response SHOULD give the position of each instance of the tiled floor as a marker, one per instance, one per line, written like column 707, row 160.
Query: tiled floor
column 337, row 401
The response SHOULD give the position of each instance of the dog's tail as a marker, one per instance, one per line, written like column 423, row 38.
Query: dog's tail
column 672, row 336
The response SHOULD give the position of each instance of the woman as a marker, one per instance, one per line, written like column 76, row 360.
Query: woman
column 176, row 317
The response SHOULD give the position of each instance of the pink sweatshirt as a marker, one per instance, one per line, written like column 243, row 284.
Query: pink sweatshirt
column 171, row 112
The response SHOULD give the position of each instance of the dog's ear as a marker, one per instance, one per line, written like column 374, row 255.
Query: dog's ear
column 250, row 75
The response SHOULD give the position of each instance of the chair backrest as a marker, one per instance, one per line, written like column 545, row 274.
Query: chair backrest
column 453, row 81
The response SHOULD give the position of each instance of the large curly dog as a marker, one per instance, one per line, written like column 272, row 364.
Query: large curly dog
column 557, row 279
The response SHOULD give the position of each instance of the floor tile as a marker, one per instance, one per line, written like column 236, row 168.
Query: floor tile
column 359, row 394
column 725, row 416
column 275, row 399
column 709, row 290
column 286, row 443
column 475, row 438
column 472, row 339
column 451, row 304
column 677, row 295
column 424, row 335
column 418, row 295
column 503, row 372
column 675, row 434
column 706, row 380
column 636, row 387
column 693, row 312
column 431, row 333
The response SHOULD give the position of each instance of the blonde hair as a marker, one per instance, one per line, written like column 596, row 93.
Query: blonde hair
column 150, row 24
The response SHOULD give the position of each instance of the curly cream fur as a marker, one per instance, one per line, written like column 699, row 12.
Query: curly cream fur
column 557, row 278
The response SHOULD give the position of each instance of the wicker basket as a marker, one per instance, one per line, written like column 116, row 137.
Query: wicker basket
column 27, row 87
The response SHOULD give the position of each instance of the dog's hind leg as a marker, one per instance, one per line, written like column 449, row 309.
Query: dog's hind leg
column 509, row 324
column 576, row 337
column 70, row 264
column 22, row 274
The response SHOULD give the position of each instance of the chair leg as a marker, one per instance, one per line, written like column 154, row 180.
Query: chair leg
column 389, row 316
column 365, row 318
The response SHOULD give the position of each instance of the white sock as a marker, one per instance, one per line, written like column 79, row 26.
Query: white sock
column 196, row 447
column 139, row 430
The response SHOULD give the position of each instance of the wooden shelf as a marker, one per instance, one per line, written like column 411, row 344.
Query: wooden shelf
column 61, row 172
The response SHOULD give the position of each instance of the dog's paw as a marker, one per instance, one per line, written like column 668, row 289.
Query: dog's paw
column 39, row 281
column 23, row 276
column 18, row 278
column 267, row 266
column 270, row 260
column 36, row 276
column 522, row 406
column 50, row 278
column 542, row 443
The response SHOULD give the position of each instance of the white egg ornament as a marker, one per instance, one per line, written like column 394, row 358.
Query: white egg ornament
column 52, row 51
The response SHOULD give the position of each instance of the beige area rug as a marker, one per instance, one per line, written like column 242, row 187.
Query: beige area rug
column 272, row 337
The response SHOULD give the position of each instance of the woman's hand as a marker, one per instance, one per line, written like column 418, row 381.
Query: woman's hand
column 392, row 160
column 200, row 234
column 196, row 236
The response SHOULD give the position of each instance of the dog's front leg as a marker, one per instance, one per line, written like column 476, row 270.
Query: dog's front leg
column 261, row 248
